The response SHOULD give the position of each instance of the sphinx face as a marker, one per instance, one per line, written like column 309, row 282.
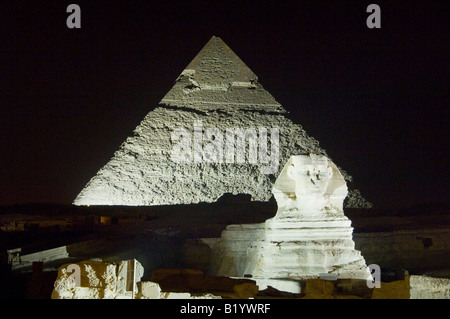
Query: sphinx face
column 311, row 175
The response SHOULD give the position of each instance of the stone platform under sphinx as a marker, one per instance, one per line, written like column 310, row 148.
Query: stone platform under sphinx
column 309, row 237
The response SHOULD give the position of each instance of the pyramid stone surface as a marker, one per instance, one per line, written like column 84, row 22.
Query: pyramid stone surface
column 216, row 91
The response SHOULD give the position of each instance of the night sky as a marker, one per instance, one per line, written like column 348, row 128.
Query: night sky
column 376, row 99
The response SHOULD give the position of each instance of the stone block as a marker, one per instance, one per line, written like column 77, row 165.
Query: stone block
column 246, row 290
column 150, row 290
column 319, row 287
column 399, row 289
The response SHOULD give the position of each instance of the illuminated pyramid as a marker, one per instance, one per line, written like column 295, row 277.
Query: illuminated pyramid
column 216, row 131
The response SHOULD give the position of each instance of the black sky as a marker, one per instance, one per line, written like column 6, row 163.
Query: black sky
column 376, row 99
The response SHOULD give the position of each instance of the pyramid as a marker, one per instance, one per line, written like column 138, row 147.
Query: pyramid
column 216, row 131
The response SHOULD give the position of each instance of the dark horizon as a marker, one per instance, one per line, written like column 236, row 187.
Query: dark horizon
column 375, row 99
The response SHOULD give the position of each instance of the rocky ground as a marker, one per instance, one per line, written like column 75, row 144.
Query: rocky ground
column 413, row 240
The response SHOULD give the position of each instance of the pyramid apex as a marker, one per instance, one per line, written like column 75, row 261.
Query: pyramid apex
column 217, row 64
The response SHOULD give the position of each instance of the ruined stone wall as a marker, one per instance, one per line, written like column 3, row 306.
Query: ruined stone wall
column 414, row 250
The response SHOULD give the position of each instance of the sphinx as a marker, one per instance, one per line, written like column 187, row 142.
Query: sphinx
column 309, row 236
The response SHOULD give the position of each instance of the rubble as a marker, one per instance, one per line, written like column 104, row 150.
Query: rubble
column 98, row 280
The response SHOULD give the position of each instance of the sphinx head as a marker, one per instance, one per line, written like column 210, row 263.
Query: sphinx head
column 311, row 174
column 310, row 183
